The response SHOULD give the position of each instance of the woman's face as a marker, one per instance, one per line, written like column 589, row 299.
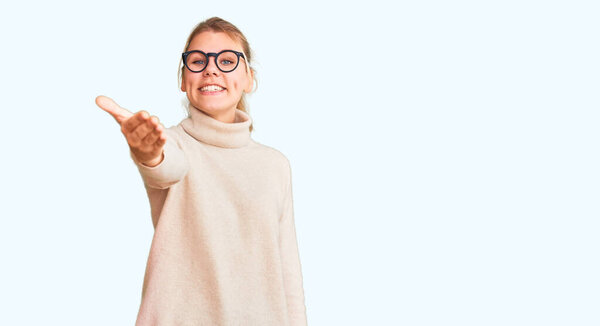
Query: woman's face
column 218, row 103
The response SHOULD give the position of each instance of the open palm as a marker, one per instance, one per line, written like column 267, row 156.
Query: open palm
column 145, row 134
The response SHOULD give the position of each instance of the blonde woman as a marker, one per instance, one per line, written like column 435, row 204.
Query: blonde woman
column 224, row 250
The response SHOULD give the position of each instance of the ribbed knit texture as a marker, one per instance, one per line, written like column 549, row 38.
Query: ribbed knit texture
column 224, row 250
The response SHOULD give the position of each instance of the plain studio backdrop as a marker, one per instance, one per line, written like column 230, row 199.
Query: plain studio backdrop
column 444, row 155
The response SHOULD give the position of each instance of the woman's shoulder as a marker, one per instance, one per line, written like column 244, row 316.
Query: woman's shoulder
column 271, row 153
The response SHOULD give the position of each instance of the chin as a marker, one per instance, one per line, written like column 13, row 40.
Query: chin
column 212, row 107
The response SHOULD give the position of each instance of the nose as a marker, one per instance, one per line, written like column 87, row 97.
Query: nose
column 211, row 67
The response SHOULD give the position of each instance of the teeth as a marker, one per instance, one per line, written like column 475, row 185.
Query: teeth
column 211, row 88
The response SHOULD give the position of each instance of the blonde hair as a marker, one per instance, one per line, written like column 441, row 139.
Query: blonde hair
column 216, row 24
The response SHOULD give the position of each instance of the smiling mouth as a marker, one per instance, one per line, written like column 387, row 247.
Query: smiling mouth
column 211, row 88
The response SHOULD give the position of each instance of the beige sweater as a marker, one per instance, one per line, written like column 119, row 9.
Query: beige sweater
column 224, row 250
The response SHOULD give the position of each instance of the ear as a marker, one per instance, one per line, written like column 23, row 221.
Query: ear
column 250, row 86
column 183, row 82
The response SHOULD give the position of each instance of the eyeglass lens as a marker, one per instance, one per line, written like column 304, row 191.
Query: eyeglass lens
column 226, row 61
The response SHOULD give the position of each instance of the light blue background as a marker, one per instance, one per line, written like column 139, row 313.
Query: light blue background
column 444, row 155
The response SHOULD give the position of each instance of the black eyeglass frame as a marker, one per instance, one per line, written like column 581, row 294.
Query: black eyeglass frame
column 184, row 56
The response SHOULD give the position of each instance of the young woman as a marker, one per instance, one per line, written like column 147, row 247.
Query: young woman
column 224, row 250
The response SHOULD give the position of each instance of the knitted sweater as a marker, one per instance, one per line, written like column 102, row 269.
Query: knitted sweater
column 224, row 250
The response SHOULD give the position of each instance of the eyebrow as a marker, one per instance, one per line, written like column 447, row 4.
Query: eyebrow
column 217, row 51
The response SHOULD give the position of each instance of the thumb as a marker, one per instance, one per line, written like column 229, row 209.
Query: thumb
column 107, row 104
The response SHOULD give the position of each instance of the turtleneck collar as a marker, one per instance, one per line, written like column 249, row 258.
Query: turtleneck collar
column 209, row 130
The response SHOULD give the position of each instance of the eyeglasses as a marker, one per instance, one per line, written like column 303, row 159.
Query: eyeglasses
column 226, row 60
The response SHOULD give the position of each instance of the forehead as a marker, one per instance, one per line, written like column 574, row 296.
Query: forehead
column 213, row 42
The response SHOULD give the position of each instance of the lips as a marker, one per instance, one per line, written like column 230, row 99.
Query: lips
column 211, row 88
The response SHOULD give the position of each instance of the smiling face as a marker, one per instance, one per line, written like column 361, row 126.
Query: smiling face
column 212, row 91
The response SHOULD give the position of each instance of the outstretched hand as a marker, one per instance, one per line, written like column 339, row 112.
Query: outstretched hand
column 145, row 134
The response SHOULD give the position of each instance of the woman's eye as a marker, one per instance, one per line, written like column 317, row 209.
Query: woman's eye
column 198, row 62
column 226, row 62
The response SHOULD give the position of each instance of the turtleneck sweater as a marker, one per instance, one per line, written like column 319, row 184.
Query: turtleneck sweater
column 224, row 249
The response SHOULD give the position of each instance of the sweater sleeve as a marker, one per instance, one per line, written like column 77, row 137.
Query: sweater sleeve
column 290, row 258
column 173, row 167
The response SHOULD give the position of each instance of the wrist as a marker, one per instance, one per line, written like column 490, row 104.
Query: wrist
column 155, row 161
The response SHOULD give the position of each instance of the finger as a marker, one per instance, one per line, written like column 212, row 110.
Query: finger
column 161, row 141
column 154, row 135
column 107, row 104
column 135, row 121
column 142, row 131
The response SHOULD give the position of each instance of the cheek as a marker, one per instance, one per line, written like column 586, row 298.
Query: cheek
column 238, row 83
column 189, row 78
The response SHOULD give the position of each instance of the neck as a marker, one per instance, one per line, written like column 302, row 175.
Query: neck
column 229, row 116
column 210, row 130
